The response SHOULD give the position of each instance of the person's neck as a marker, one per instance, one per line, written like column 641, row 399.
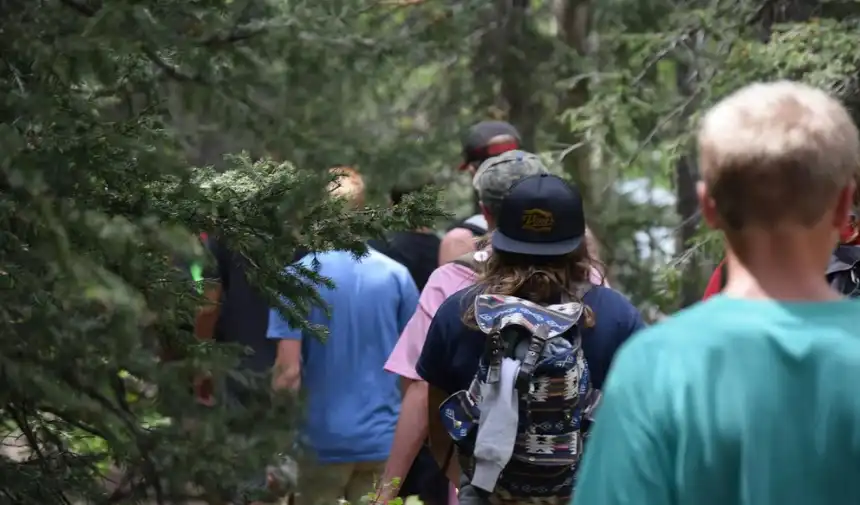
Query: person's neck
column 491, row 223
column 787, row 268
column 483, row 243
column 423, row 229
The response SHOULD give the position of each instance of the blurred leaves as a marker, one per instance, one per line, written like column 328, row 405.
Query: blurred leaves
column 643, row 112
column 115, row 119
column 100, row 206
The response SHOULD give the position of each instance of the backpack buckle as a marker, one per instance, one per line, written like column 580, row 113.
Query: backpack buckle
column 494, row 353
column 537, row 344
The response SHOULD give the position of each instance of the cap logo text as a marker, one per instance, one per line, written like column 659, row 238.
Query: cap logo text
column 537, row 220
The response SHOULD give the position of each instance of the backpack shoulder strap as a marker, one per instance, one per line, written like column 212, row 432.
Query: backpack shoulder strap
column 470, row 260
column 476, row 230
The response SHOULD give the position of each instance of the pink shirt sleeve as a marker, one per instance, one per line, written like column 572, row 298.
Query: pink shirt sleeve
column 443, row 282
column 595, row 277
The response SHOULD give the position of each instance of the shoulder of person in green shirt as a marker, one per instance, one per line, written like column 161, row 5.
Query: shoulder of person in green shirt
column 732, row 401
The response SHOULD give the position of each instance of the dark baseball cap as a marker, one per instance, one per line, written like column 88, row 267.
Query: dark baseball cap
column 542, row 215
column 487, row 139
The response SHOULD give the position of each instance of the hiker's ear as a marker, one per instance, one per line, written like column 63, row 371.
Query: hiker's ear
column 706, row 203
column 844, row 206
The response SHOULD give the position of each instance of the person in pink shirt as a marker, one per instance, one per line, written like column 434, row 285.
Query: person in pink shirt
column 492, row 181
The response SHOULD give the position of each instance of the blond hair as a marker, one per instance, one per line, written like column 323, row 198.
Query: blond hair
column 348, row 184
column 775, row 152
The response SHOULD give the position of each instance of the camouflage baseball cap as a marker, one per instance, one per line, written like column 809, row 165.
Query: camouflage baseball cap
column 496, row 175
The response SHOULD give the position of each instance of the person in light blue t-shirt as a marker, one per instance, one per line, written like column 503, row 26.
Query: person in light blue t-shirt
column 749, row 398
column 352, row 402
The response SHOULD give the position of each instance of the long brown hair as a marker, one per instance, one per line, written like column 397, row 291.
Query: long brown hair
column 540, row 279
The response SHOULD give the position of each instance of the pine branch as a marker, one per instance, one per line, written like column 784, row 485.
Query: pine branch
column 79, row 7
column 69, row 419
column 152, row 56
column 169, row 69
column 20, row 418
column 237, row 35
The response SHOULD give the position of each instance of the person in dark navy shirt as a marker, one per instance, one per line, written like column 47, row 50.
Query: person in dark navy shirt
column 451, row 354
column 538, row 254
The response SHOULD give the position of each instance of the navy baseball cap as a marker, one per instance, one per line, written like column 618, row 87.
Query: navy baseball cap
column 541, row 215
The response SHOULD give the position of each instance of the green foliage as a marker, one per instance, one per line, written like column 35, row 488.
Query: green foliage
column 107, row 108
column 658, row 66
column 99, row 205
column 373, row 496
column 821, row 52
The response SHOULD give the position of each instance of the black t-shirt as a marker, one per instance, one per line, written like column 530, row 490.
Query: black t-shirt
column 417, row 251
column 244, row 316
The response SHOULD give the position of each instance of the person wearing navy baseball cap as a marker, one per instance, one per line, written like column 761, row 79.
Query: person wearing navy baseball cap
column 540, row 262
column 542, row 215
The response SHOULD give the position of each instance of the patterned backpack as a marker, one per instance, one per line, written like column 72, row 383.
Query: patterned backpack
column 535, row 352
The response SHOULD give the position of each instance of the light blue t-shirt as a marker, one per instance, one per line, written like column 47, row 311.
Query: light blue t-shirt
column 352, row 403
column 732, row 402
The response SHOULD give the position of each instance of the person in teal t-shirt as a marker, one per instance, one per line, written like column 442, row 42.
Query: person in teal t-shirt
column 751, row 397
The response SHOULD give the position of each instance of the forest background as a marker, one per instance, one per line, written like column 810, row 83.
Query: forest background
column 128, row 125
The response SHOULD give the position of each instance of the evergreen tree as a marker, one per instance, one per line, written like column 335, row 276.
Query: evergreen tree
column 100, row 204
column 108, row 105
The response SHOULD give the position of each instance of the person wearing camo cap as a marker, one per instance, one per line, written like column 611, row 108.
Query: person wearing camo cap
column 493, row 178
column 481, row 142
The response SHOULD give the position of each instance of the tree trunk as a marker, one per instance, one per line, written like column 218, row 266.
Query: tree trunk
column 574, row 28
column 518, row 65
column 686, row 205
column 508, row 55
